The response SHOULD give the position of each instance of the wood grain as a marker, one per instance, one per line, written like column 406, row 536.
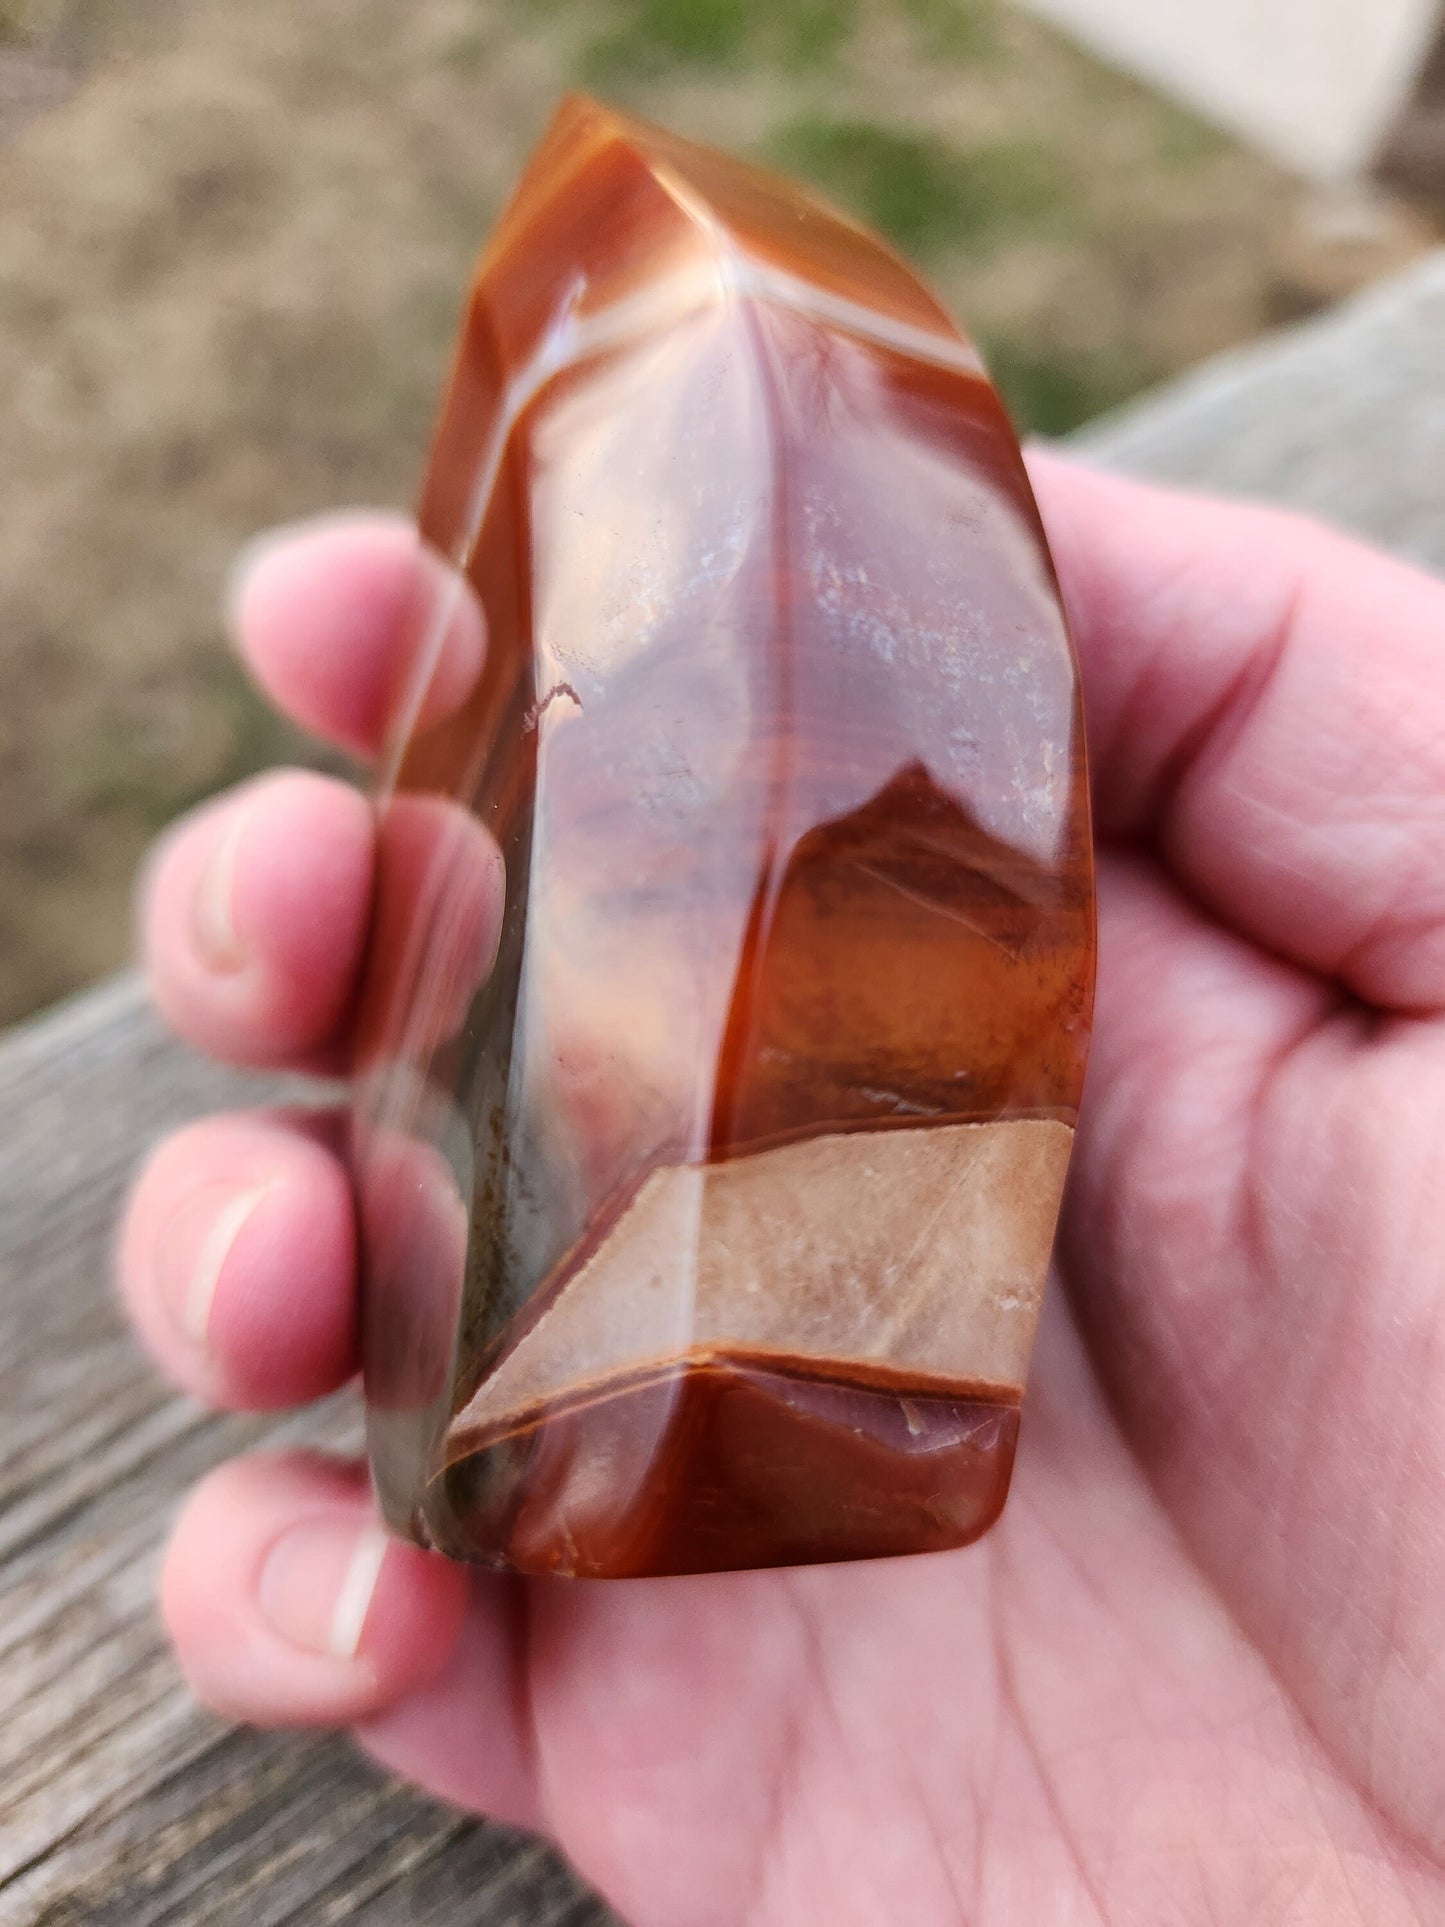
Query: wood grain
column 123, row 1805
column 120, row 1801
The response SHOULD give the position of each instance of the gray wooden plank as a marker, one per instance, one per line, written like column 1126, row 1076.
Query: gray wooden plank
column 120, row 1801
column 123, row 1804
column 1342, row 417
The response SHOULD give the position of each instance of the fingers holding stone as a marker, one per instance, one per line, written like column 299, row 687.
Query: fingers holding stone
column 349, row 621
column 237, row 1260
column 288, row 1604
column 253, row 917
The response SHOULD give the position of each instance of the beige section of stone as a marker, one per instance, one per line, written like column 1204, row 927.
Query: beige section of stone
column 918, row 1250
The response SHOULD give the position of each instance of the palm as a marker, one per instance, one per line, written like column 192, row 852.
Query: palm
column 1157, row 1691
column 1193, row 1675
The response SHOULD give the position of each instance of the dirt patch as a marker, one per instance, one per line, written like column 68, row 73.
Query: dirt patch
column 232, row 244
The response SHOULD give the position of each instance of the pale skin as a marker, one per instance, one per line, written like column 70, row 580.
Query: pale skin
column 1197, row 1673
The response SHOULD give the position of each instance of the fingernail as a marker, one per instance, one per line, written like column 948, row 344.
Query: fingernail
column 193, row 1250
column 317, row 1584
column 213, row 915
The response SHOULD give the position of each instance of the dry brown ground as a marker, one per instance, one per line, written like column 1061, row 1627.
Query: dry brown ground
column 232, row 242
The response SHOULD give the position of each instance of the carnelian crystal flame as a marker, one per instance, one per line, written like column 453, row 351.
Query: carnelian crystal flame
column 711, row 1143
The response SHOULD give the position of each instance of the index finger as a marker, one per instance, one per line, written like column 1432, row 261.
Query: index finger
column 334, row 616
column 1265, row 703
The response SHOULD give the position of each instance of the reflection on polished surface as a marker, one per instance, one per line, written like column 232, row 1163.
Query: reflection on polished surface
column 734, row 944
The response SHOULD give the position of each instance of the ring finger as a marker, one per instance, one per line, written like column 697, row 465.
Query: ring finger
column 237, row 1260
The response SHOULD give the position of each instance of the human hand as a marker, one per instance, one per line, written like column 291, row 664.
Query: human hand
column 1195, row 1674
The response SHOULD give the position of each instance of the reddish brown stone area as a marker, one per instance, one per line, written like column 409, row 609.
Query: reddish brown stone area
column 733, row 950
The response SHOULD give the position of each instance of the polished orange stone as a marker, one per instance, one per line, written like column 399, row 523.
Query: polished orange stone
column 733, row 958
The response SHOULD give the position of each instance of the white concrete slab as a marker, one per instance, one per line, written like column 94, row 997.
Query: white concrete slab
column 1319, row 84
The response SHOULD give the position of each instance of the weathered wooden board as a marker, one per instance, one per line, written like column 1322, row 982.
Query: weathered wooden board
column 121, row 1803
column 1343, row 418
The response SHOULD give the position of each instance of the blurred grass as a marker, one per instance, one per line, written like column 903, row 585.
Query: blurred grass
column 921, row 191
column 956, row 29
column 648, row 37
column 70, row 27
column 1049, row 392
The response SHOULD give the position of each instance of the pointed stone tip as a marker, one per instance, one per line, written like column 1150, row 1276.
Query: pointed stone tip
column 577, row 109
column 731, row 203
